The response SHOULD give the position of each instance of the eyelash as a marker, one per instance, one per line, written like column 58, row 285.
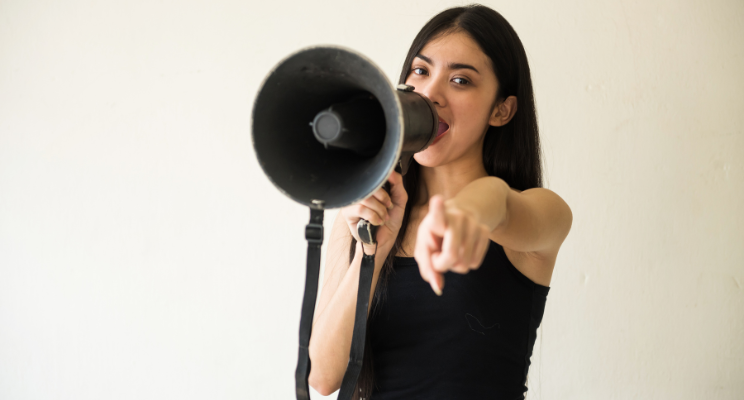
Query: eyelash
column 467, row 82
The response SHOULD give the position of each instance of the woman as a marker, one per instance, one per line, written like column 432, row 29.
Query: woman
column 483, row 234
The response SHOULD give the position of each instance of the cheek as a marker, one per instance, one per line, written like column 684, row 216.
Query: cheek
column 471, row 118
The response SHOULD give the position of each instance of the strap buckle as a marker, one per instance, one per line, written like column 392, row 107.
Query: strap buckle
column 314, row 233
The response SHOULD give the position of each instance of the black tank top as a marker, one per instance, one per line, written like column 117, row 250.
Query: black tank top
column 473, row 342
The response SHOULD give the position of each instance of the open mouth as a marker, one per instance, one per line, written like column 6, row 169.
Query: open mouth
column 443, row 127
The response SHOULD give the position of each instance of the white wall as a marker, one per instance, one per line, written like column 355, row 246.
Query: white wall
column 143, row 254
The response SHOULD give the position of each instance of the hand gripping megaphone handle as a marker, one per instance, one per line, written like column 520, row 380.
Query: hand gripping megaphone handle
column 366, row 231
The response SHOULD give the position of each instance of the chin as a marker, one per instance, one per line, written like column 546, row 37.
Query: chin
column 428, row 158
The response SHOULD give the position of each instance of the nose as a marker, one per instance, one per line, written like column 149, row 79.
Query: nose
column 433, row 89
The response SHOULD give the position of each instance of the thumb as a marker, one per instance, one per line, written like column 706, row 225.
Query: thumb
column 438, row 218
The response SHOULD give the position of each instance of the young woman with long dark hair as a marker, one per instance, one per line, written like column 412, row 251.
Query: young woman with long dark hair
column 459, row 319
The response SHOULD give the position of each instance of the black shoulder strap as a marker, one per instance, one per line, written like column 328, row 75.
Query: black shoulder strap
column 314, row 236
column 360, row 329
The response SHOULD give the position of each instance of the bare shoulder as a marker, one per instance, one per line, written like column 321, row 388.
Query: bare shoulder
column 537, row 223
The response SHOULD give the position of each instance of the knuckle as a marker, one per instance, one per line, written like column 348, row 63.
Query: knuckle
column 460, row 269
column 372, row 208
column 373, row 218
column 371, row 203
column 446, row 260
column 377, row 219
column 380, row 205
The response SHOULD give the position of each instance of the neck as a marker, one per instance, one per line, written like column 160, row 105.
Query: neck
column 447, row 180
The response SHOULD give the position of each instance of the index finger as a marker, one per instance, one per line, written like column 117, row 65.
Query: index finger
column 425, row 247
column 434, row 278
column 397, row 192
column 383, row 197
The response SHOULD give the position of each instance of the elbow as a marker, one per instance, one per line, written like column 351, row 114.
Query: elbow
column 319, row 377
column 322, row 386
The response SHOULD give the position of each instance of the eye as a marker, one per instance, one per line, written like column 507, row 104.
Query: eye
column 418, row 71
column 461, row 81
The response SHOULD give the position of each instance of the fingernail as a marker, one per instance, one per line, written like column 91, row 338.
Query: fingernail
column 436, row 289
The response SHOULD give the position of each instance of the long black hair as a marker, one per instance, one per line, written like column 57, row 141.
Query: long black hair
column 510, row 152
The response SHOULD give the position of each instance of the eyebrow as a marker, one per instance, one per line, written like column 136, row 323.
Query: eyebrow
column 450, row 65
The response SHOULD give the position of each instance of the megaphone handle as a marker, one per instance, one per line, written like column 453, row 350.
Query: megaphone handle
column 366, row 231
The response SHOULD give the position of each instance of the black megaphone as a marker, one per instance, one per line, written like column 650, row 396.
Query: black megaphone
column 328, row 128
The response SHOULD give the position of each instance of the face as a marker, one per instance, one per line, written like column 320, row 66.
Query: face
column 458, row 78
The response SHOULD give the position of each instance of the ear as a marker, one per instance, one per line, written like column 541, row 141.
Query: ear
column 503, row 112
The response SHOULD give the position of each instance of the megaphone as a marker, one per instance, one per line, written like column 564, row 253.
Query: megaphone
column 328, row 129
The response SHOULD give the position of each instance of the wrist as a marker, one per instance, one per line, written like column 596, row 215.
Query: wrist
column 379, row 250
column 485, row 200
column 453, row 206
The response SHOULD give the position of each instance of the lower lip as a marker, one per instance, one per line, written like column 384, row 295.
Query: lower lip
column 439, row 137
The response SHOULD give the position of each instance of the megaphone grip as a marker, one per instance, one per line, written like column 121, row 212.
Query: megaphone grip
column 366, row 231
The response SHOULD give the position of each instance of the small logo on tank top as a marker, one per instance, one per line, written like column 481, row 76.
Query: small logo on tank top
column 477, row 326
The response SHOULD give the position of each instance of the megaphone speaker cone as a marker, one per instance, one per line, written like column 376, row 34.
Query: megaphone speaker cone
column 327, row 126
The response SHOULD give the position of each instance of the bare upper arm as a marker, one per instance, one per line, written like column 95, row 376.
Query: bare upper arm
column 336, row 263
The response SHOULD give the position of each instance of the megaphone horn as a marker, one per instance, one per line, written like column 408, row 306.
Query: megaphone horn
column 329, row 127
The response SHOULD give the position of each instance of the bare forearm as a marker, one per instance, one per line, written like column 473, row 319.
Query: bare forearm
column 330, row 342
column 535, row 220
column 486, row 198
